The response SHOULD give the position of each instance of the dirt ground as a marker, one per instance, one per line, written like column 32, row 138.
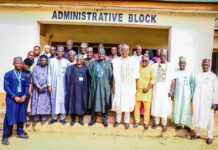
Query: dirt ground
column 57, row 137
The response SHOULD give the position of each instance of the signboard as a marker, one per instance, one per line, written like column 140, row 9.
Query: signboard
column 110, row 17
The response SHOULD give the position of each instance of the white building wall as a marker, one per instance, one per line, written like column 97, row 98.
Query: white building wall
column 191, row 34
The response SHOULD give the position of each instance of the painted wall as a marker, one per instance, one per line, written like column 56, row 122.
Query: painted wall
column 191, row 35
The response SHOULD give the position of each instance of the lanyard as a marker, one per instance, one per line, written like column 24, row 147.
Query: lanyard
column 18, row 75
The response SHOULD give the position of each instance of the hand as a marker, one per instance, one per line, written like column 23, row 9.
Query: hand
column 113, row 90
column 40, row 89
column 17, row 99
column 23, row 98
column 49, row 90
column 214, row 106
column 145, row 90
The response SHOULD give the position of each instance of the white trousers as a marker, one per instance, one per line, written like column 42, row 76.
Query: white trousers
column 209, row 128
column 157, row 121
column 126, row 117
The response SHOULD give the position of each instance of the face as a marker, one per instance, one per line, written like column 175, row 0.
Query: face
column 25, row 67
column 30, row 55
column 101, row 56
column 163, row 58
column 205, row 66
column 147, row 52
column 182, row 65
column 36, row 51
column 89, row 54
column 53, row 51
column 71, row 57
column 119, row 52
column 125, row 52
column 113, row 51
column 43, row 62
column 47, row 50
column 138, row 50
column 144, row 62
column 100, row 46
column 83, row 50
column 60, row 54
column 69, row 46
column 18, row 65
column 79, row 61
column 158, row 52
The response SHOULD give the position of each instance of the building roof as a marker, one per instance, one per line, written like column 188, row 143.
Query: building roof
column 194, row 6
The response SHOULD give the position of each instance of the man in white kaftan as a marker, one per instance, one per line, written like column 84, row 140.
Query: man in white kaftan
column 56, row 85
column 162, row 92
column 205, row 100
column 125, row 72
column 182, row 114
column 137, row 57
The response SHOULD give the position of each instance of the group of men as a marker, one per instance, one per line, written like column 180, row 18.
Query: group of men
column 60, row 82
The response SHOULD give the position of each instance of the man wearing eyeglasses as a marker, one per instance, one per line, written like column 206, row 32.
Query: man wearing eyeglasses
column 144, row 86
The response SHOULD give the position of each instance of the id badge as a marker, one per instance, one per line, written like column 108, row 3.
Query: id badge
column 19, row 88
column 80, row 78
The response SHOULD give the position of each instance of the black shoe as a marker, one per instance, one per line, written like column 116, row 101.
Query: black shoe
column 43, row 122
column 177, row 128
column 105, row 124
column 164, row 128
column 154, row 126
column 72, row 122
column 25, row 133
column 126, row 125
column 81, row 120
column 188, row 129
column 34, row 123
column 63, row 122
column 5, row 141
column 116, row 124
column 209, row 141
column 135, row 125
column 52, row 121
column 195, row 137
column 92, row 122
column 23, row 136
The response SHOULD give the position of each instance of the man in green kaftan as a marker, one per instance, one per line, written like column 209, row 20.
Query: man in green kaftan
column 182, row 96
column 101, row 73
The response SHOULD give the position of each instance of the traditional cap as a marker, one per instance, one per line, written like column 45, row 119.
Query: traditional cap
column 125, row 46
column 101, row 51
column 83, row 45
column 80, row 56
column 182, row 58
column 120, row 46
column 89, row 49
column 72, row 52
column 44, row 56
column 28, row 61
column 18, row 59
column 46, row 46
column 60, row 48
column 163, row 52
column 138, row 46
column 69, row 42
